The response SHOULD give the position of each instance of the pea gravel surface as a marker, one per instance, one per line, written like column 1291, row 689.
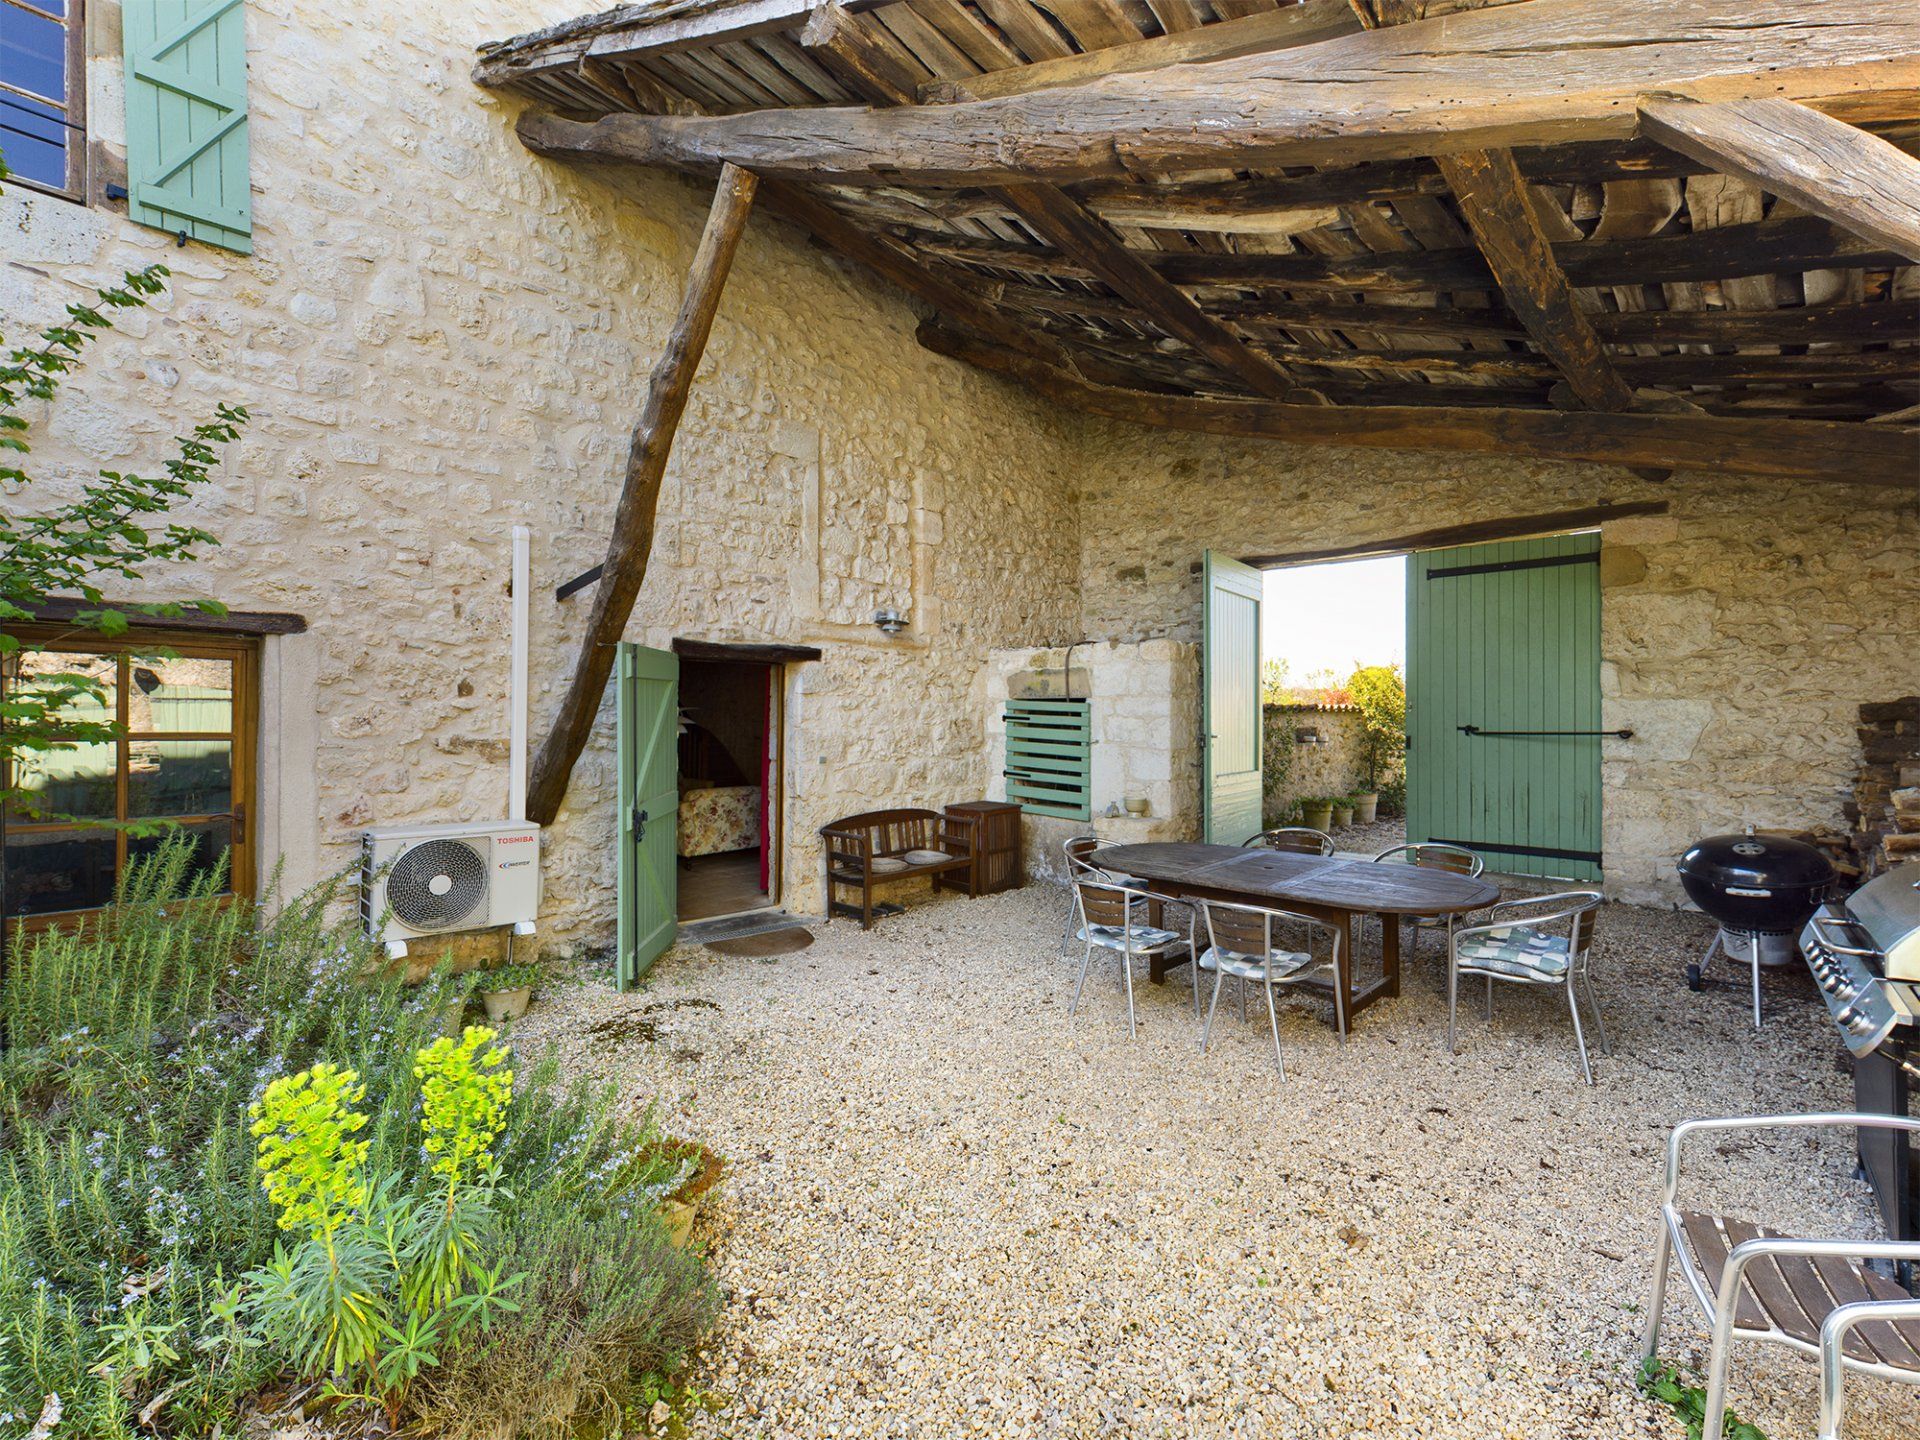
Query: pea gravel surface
column 952, row 1209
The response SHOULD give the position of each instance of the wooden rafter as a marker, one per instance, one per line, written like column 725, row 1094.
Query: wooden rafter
column 1854, row 454
column 625, row 566
column 1856, row 180
column 1492, row 195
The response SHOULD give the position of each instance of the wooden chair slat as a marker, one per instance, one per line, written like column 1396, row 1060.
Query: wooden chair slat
column 1710, row 1249
column 1898, row 1344
column 1777, row 1298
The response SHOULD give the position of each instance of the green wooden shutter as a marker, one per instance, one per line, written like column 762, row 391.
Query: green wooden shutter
column 187, row 119
column 1231, row 781
column 1050, row 757
column 647, row 741
column 1505, row 638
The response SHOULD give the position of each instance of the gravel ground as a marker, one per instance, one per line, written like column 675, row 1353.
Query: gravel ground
column 954, row 1210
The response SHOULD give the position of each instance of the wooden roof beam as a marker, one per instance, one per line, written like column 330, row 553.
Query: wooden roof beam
column 1856, row 180
column 1789, row 449
column 1492, row 195
column 1540, row 73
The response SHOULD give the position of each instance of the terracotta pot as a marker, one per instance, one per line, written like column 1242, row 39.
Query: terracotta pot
column 1316, row 814
column 681, row 1207
column 1366, row 809
column 505, row 1005
column 1342, row 816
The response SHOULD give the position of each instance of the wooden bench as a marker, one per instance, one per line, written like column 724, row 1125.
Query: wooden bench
column 855, row 844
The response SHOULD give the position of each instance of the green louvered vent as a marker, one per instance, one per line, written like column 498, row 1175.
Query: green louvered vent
column 1049, row 752
column 187, row 119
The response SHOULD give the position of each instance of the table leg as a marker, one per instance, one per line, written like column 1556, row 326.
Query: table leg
column 1390, row 951
column 1344, row 979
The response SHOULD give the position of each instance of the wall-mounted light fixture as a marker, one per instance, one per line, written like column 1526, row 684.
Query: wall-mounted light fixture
column 889, row 620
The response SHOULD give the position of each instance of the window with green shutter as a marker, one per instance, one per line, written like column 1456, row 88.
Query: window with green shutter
column 1049, row 757
column 187, row 119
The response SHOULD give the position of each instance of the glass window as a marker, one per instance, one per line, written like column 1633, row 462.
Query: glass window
column 42, row 134
column 182, row 754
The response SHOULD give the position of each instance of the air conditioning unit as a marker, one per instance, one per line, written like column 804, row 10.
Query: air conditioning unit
column 421, row 880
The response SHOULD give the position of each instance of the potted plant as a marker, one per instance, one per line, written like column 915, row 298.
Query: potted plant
column 696, row 1170
column 1316, row 814
column 1381, row 694
column 1366, row 807
column 1342, row 812
column 506, row 989
column 455, row 992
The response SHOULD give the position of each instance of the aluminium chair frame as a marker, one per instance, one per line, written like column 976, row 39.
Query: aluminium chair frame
column 1269, row 980
column 1417, row 850
column 1264, row 840
column 1579, row 962
column 1130, row 896
column 1720, row 1306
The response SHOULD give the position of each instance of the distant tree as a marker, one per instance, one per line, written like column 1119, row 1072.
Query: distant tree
column 1381, row 693
column 1273, row 683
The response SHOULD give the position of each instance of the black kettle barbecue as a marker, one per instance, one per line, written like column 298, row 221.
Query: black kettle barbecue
column 1761, row 888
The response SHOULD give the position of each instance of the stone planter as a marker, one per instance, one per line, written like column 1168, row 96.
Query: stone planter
column 504, row 1005
column 1366, row 808
column 453, row 1015
column 1342, row 814
column 1316, row 814
column 681, row 1206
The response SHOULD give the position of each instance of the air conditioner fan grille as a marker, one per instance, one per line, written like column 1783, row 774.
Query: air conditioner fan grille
column 436, row 884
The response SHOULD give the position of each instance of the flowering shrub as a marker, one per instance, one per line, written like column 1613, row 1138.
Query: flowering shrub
column 314, row 1171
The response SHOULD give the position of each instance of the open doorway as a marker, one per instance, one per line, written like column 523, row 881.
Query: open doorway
column 1333, row 651
column 728, row 833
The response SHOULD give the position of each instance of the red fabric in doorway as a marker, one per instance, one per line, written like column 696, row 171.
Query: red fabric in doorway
column 766, row 776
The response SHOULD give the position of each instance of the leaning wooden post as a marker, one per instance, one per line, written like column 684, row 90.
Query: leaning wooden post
column 632, row 540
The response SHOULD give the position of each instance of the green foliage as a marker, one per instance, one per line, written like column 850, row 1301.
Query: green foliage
column 110, row 531
column 1381, row 693
column 521, row 974
column 131, row 1204
column 315, row 1172
column 1662, row 1382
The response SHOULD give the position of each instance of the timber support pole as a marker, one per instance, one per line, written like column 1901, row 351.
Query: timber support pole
column 633, row 519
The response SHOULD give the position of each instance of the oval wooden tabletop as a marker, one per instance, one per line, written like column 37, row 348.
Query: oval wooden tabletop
column 1280, row 876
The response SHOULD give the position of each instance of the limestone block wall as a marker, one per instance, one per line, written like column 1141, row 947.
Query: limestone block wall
column 1739, row 633
column 440, row 336
column 1144, row 714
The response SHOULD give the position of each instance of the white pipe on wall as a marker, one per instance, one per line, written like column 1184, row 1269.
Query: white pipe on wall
column 517, row 683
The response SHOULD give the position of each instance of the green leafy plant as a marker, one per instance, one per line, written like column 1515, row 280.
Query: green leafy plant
column 381, row 1279
column 1381, row 694
column 1664, row 1383
column 520, row 975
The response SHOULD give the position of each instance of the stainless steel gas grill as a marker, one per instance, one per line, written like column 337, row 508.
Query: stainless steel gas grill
column 1864, row 953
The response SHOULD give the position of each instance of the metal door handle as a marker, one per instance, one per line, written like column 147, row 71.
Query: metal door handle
column 639, row 826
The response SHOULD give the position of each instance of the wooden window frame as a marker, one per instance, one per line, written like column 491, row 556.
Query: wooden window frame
column 243, row 736
column 74, row 109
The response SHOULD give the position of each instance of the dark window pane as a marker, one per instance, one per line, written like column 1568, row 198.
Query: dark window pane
column 33, row 52
column 58, row 870
column 211, row 839
column 184, row 693
column 179, row 777
column 33, row 140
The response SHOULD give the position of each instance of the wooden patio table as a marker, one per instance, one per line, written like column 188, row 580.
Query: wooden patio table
column 1324, row 887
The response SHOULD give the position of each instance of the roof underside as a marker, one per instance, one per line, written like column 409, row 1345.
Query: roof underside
column 1362, row 284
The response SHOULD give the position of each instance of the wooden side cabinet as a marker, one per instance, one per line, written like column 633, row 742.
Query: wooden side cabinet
column 996, row 845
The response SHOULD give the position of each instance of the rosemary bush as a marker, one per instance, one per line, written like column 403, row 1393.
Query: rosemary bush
column 132, row 1209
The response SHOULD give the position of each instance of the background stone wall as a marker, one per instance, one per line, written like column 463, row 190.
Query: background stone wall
column 439, row 336
column 1336, row 765
column 1739, row 633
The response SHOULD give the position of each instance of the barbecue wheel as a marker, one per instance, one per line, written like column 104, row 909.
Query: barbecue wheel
column 1696, row 982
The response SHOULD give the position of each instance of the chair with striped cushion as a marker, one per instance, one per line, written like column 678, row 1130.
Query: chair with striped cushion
column 1241, row 942
column 1432, row 855
column 1520, row 945
column 1814, row 1296
column 1299, row 839
column 1112, row 917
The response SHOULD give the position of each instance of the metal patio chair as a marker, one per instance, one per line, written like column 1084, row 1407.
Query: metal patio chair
column 1433, row 855
column 1812, row 1296
column 1110, row 919
column 1299, row 839
column 1516, row 945
column 1240, row 943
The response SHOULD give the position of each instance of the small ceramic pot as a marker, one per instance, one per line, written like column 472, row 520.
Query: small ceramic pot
column 1366, row 809
column 1342, row 816
column 1136, row 804
column 506, row 1004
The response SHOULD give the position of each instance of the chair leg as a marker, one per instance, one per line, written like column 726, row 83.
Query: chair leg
column 1126, row 970
column 1243, row 999
column 1599, row 1020
column 1206, row 1032
column 1719, row 1356
column 1650, row 1333
column 1086, row 959
column 1489, row 999
column 1754, row 946
column 1273, row 1021
column 1453, row 1001
column 1579, row 1034
column 1193, row 960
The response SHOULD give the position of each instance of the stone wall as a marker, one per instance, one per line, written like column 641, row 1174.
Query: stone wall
column 439, row 336
column 1739, row 633
column 1333, row 765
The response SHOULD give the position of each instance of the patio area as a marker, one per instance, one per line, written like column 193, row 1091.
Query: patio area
column 952, row 1209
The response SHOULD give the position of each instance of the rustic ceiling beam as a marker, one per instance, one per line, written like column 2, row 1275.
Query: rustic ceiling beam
column 1472, row 532
column 1305, row 23
column 625, row 566
column 1856, row 180
column 1544, row 72
column 1492, row 195
column 1792, row 449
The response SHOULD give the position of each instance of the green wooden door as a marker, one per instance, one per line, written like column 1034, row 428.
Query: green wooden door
column 1505, row 638
column 1230, row 702
column 648, row 741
